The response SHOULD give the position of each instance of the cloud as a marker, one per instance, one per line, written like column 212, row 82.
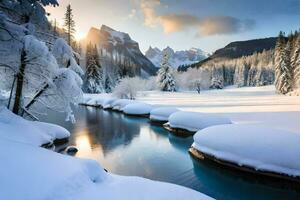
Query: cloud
column 132, row 13
column 148, row 10
column 205, row 26
column 217, row 25
column 175, row 23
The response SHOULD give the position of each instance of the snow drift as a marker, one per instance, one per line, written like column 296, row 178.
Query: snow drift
column 193, row 121
column 35, row 133
column 121, row 103
column 162, row 113
column 138, row 109
column 258, row 147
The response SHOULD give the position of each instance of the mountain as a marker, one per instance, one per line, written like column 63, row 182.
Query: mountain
column 239, row 49
column 176, row 58
column 121, row 50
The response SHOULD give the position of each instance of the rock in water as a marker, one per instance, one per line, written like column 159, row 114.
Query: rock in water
column 71, row 150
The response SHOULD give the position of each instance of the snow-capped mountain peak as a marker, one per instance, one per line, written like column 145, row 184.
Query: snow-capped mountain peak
column 117, row 44
column 176, row 58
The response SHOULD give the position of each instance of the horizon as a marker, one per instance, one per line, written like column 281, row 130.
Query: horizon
column 208, row 25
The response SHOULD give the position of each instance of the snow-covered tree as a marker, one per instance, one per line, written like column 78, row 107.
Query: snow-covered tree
column 165, row 76
column 128, row 87
column 69, row 24
column 93, row 76
column 28, row 11
column 217, row 80
column 295, row 62
column 65, row 56
column 283, row 71
column 34, row 76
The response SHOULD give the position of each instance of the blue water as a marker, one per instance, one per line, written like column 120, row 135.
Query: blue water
column 132, row 146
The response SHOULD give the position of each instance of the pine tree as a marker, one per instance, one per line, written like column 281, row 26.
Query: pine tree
column 217, row 80
column 283, row 70
column 295, row 61
column 166, row 79
column 69, row 24
column 93, row 75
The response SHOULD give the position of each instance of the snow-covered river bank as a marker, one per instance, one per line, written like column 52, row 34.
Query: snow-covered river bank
column 132, row 146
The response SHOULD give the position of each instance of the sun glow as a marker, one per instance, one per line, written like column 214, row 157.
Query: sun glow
column 79, row 35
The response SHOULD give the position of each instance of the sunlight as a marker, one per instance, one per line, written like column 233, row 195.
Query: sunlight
column 79, row 35
column 83, row 143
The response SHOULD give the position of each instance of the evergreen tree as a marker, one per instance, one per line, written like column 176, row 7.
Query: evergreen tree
column 295, row 61
column 283, row 70
column 93, row 74
column 217, row 81
column 69, row 24
column 166, row 79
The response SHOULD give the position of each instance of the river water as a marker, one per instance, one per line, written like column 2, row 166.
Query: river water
column 132, row 146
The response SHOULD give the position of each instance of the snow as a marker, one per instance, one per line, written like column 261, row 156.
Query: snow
column 121, row 103
column 4, row 95
column 260, row 147
column 30, row 172
column 162, row 113
column 138, row 109
column 16, row 128
column 107, row 102
column 245, row 105
column 64, row 55
column 56, row 176
column 194, row 121
column 96, row 99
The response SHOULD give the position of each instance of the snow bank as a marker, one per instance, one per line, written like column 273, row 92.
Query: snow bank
column 138, row 109
column 259, row 147
column 96, row 99
column 16, row 128
column 121, row 103
column 107, row 102
column 193, row 121
column 34, row 173
column 162, row 113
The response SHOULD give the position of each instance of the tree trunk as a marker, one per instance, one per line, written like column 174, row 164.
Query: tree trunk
column 19, row 86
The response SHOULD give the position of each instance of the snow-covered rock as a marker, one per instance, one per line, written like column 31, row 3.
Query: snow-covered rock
column 121, row 103
column 176, row 58
column 16, row 128
column 194, row 121
column 162, row 113
column 138, row 109
column 258, row 147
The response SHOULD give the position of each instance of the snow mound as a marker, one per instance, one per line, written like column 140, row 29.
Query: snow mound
column 261, row 148
column 53, row 130
column 121, row 103
column 194, row 121
column 34, row 173
column 95, row 99
column 15, row 128
column 162, row 113
column 107, row 102
column 138, row 109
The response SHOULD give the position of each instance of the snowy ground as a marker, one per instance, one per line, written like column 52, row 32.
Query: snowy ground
column 259, row 105
column 30, row 172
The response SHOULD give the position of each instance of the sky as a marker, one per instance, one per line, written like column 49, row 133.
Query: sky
column 183, row 24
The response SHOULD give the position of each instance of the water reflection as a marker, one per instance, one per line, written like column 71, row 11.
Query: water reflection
column 131, row 146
